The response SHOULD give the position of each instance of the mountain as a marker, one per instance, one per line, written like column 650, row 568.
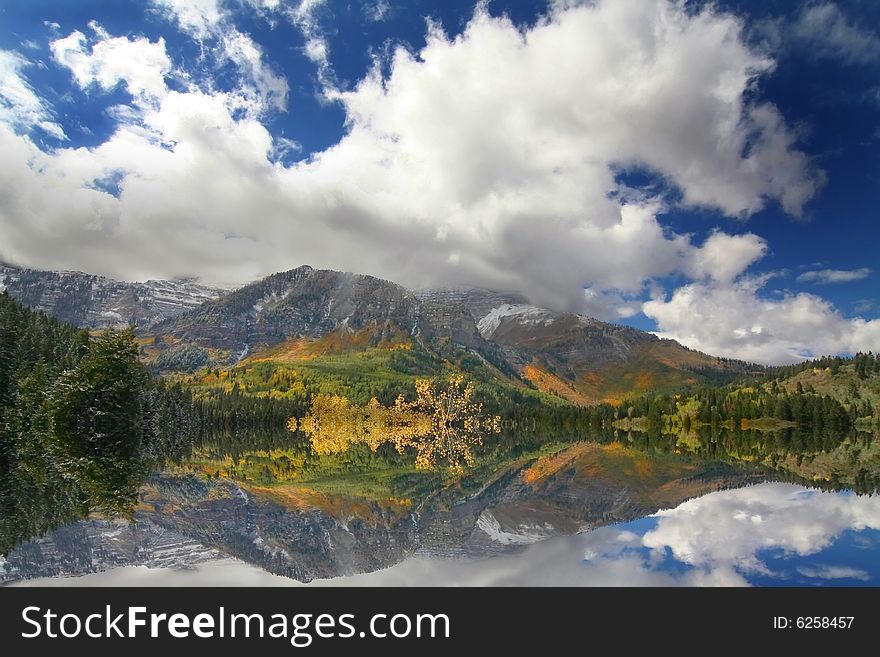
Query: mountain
column 302, row 302
column 308, row 314
column 312, row 312
column 580, row 358
column 96, row 302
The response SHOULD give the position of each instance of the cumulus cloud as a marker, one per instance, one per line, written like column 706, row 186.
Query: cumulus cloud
column 138, row 63
column 615, row 84
column 20, row 106
column 725, row 311
column 823, row 276
column 724, row 257
column 734, row 319
column 490, row 158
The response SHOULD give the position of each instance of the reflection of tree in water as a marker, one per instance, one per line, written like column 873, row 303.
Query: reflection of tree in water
column 799, row 454
column 81, row 423
column 442, row 425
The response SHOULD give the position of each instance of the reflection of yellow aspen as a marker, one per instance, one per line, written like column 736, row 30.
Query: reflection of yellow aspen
column 442, row 426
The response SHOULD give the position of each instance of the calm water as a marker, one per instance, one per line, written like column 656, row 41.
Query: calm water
column 769, row 534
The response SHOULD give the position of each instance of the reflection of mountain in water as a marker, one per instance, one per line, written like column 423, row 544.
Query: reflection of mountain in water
column 767, row 534
column 96, row 545
column 303, row 533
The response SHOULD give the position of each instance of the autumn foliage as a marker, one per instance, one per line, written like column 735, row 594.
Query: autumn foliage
column 441, row 425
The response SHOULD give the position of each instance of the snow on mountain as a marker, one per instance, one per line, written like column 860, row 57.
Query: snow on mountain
column 97, row 545
column 98, row 302
column 524, row 535
column 524, row 313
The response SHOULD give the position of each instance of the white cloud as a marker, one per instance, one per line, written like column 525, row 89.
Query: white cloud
column 269, row 88
column 823, row 571
column 609, row 304
column 731, row 528
column 825, row 31
column 724, row 257
column 377, row 10
column 489, row 158
column 316, row 50
column 20, row 106
column 197, row 17
column 305, row 15
column 139, row 63
column 281, row 146
column 602, row 80
column 305, row 11
column 823, row 276
column 209, row 167
column 206, row 22
column 733, row 319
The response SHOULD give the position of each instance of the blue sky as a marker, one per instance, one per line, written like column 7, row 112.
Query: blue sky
column 709, row 173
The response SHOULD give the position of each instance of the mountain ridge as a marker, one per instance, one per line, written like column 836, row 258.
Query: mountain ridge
column 580, row 357
column 99, row 302
column 309, row 313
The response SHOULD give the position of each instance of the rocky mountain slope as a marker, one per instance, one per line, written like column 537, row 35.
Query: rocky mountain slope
column 96, row 545
column 97, row 302
column 580, row 358
column 310, row 313
column 346, row 311
column 302, row 302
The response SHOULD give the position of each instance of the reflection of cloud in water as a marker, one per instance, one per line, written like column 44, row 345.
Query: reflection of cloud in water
column 730, row 528
column 715, row 540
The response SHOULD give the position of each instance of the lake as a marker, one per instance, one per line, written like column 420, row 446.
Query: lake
column 729, row 510
column 771, row 534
